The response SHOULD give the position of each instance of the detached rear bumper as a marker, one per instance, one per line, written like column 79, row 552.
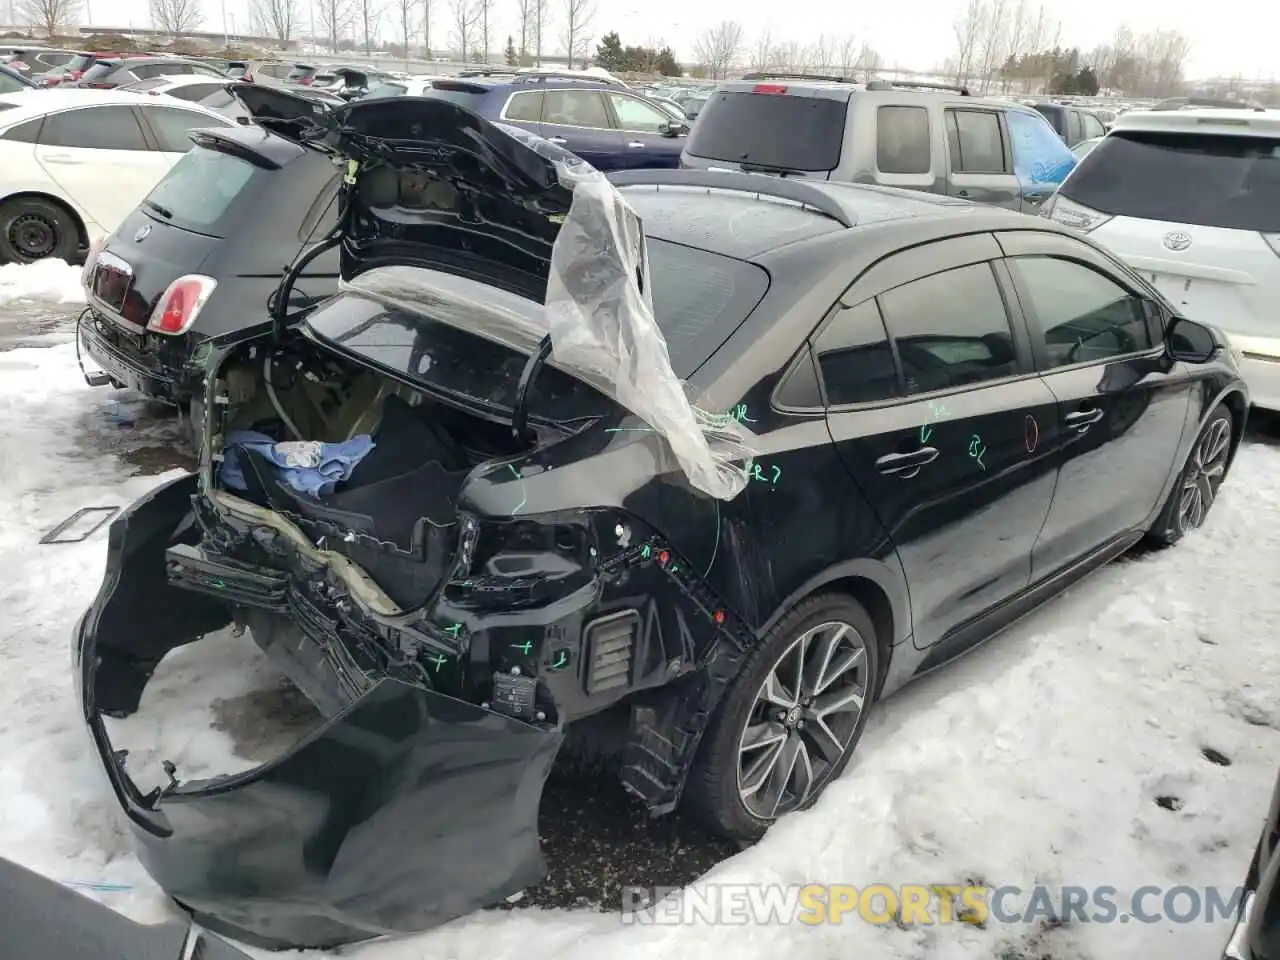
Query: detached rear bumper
column 408, row 809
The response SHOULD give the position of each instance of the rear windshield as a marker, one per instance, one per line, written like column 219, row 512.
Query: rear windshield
column 199, row 191
column 386, row 90
column 298, row 72
column 1210, row 180
column 100, row 70
column 78, row 62
column 699, row 299
column 774, row 131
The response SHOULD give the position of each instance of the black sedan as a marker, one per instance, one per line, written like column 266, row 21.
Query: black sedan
column 474, row 502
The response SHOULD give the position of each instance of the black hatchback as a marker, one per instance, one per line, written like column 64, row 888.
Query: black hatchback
column 199, row 257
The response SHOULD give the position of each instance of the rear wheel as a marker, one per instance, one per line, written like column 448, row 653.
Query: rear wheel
column 32, row 228
column 789, row 723
column 1197, row 487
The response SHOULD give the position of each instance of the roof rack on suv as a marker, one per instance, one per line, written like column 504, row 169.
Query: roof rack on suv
column 797, row 191
column 774, row 75
column 1210, row 103
column 917, row 85
column 522, row 75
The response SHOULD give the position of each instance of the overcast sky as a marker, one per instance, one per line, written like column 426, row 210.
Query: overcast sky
column 1228, row 36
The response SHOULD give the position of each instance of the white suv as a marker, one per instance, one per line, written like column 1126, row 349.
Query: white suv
column 1190, row 199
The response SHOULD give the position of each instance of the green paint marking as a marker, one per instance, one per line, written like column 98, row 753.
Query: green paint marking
column 219, row 584
column 562, row 658
column 524, row 647
column 740, row 414
column 439, row 661
column 925, row 433
column 524, row 497
column 977, row 450
column 646, row 552
column 453, row 630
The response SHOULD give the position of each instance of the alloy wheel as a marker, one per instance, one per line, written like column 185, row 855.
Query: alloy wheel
column 803, row 719
column 32, row 236
column 1204, row 474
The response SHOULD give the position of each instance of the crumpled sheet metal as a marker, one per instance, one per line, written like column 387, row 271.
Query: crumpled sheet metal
column 599, row 312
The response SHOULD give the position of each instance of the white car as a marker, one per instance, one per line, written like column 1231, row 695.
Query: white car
column 74, row 163
column 1190, row 199
column 208, row 92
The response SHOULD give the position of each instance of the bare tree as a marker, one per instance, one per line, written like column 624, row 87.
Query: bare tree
column 426, row 28
column 762, row 53
column 335, row 16
column 869, row 60
column 485, row 9
column 176, row 17
column 525, row 11
column 405, row 9
column 993, row 42
column 818, row 56
column 968, row 30
column 577, row 17
column 539, row 28
column 463, row 16
column 848, row 55
column 278, row 18
column 370, row 18
column 53, row 15
column 718, row 48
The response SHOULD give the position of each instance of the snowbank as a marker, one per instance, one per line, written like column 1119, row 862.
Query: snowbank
column 47, row 281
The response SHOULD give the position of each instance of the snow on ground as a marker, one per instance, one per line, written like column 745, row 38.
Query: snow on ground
column 1037, row 759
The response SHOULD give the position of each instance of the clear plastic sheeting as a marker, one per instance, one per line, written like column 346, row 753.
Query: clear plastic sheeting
column 599, row 312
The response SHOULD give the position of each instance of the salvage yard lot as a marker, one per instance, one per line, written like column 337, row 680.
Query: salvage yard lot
column 1039, row 759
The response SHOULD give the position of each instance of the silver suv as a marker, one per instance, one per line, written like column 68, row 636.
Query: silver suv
column 918, row 136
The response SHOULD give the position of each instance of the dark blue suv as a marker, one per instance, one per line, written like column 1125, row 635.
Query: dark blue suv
column 607, row 124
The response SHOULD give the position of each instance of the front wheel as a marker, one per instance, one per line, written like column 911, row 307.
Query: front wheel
column 32, row 229
column 1198, row 484
column 789, row 723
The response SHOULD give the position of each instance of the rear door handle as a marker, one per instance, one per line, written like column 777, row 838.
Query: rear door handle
column 65, row 158
column 634, row 144
column 962, row 193
column 555, row 139
column 1081, row 420
column 906, row 465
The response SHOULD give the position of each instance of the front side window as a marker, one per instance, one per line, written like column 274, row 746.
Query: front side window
column 976, row 142
column 94, row 128
column 1082, row 315
column 1074, row 131
column 854, row 357
column 951, row 329
column 194, row 92
column 902, row 140
column 637, row 117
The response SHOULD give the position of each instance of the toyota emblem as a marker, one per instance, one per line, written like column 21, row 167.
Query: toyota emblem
column 1177, row 240
column 145, row 231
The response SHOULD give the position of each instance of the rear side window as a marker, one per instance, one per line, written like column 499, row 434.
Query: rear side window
column 1074, row 130
column 94, row 128
column 172, row 126
column 975, row 141
column 950, row 329
column 9, row 85
column 143, row 85
column 855, row 359
column 193, row 92
column 902, row 140
column 772, row 131
column 200, row 189
column 575, row 108
column 525, row 107
column 1091, row 126
column 1054, row 115
column 1214, row 181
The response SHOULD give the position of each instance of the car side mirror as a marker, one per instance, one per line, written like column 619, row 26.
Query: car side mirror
column 1191, row 342
column 673, row 128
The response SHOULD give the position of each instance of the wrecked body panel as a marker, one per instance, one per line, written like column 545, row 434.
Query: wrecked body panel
column 405, row 810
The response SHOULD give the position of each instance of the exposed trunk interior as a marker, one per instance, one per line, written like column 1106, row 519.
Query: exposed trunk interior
column 394, row 516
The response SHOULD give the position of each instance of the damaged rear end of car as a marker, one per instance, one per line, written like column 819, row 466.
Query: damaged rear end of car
column 417, row 502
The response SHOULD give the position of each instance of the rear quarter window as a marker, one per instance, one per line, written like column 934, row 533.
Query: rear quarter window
column 773, row 131
column 200, row 192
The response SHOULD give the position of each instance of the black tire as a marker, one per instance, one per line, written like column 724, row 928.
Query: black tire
column 1198, row 481
column 32, row 228
column 712, row 793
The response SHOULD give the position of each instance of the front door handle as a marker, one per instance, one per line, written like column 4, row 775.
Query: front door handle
column 1082, row 420
column 962, row 193
column 555, row 139
column 634, row 144
column 60, row 158
column 906, row 465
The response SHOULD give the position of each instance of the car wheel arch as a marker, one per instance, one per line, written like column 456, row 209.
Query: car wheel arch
column 81, row 228
column 1238, row 404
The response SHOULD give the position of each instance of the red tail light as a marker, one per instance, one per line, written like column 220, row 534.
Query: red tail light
column 768, row 88
column 98, row 86
column 306, row 81
column 247, row 78
column 178, row 308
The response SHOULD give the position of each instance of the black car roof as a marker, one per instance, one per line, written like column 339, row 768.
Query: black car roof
column 272, row 147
